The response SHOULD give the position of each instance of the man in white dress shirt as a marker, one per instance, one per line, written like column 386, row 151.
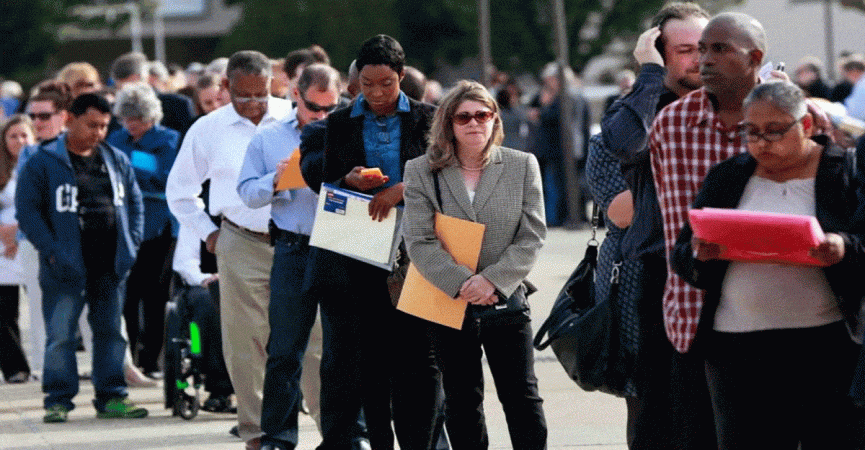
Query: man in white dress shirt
column 214, row 148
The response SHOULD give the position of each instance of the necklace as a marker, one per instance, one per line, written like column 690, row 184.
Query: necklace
column 472, row 169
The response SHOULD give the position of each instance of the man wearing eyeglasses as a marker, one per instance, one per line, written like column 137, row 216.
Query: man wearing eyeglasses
column 292, row 310
column 214, row 148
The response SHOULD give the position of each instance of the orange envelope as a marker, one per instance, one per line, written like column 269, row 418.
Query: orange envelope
column 291, row 177
column 462, row 239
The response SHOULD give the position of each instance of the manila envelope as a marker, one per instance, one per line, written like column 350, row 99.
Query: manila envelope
column 462, row 239
column 291, row 177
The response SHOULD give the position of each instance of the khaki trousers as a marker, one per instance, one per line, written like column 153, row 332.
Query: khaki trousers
column 244, row 263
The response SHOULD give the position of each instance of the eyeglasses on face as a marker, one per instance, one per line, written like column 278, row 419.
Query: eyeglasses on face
column 754, row 134
column 466, row 117
column 250, row 99
column 316, row 108
column 41, row 116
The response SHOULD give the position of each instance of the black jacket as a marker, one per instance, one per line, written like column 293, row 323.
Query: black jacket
column 839, row 210
column 344, row 149
column 343, row 144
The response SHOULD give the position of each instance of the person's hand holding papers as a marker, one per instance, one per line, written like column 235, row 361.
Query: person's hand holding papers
column 384, row 201
column 831, row 250
column 705, row 250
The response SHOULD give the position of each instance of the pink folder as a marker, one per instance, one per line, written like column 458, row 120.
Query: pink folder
column 759, row 236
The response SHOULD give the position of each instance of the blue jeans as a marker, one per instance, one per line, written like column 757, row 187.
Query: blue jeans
column 62, row 304
column 292, row 313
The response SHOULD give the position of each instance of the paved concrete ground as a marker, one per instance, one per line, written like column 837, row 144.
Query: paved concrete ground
column 576, row 419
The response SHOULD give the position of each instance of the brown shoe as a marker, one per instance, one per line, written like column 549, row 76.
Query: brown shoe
column 253, row 444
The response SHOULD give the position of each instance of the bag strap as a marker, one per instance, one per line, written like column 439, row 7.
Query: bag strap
column 438, row 190
column 590, row 260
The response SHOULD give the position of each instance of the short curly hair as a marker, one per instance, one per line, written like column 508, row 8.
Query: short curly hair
column 139, row 101
column 381, row 50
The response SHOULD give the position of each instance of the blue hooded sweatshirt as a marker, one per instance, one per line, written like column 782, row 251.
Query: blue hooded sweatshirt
column 47, row 211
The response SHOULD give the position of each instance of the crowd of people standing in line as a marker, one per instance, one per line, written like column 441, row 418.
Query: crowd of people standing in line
column 121, row 188
column 121, row 178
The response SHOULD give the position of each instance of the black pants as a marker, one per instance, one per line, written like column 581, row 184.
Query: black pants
column 12, row 359
column 511, row 360
column 672, row 409
column 146, row 295
column 779, row 388
column 373, row 354
column 202, row 306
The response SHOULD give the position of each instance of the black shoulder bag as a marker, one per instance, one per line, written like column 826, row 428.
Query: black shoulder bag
column 581, row 328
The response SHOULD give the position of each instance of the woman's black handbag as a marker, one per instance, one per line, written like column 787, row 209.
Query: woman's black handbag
column 507, row 311
column 581, row 329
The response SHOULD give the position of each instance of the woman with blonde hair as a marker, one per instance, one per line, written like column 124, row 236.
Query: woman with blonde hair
column 16, row 133
column 466, row 174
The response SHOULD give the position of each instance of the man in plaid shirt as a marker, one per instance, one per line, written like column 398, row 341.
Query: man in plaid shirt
column 695, row 133
column 687, row 138
column 670, row 69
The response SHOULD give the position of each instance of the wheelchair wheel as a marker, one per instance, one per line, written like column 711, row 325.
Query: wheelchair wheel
column 187, row 406
column 173, row 355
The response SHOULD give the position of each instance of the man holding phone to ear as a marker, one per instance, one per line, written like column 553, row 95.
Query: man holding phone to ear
column 670, row 69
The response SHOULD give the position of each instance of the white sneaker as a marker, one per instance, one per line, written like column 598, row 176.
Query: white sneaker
column 134, row 377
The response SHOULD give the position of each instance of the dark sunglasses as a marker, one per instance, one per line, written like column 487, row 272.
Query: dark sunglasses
column 41, row 116
column 480, row 116
column 317, row 108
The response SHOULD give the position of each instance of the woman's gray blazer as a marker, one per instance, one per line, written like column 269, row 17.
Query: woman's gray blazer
column 508, row 200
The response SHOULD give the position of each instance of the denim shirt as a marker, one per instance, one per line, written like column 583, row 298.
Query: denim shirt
column 625, row 129
column 381, row 138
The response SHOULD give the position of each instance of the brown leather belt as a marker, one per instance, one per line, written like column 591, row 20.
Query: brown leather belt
column 263, row 237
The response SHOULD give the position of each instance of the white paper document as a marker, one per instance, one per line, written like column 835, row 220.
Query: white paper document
column 343, row 225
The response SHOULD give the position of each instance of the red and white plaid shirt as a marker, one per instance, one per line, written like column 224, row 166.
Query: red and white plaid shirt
column 686, row 140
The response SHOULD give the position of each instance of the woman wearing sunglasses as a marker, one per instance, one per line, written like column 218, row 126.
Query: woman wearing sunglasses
column 778, row 358
column 482, row 182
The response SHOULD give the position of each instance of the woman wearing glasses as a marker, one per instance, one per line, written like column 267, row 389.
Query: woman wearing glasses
column 482, row 182
column 779, row 360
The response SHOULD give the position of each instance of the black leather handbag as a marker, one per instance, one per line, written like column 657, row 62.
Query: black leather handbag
column 507, row 311
column 581, row 329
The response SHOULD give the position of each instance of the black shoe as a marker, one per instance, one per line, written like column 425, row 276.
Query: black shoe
column 270, row 444
column 219, row 404
column 19, row 377
column 234, row 431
